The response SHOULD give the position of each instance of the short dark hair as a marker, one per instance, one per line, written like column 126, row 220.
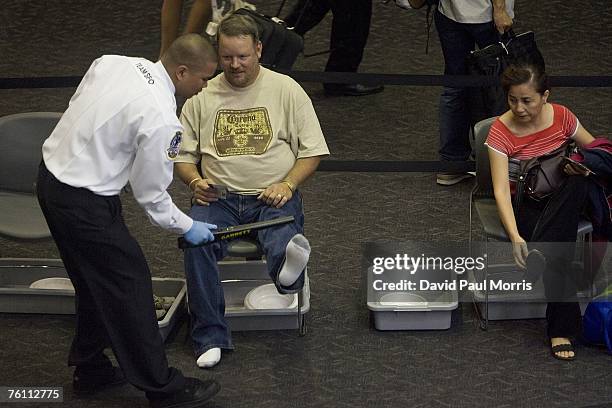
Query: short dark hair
column 191, row 50
column 524, row 73
column 236, row 25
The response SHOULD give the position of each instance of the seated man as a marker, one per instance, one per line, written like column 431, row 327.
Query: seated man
column 256, row 132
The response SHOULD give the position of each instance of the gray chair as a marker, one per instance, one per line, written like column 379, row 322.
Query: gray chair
column 482, row 200
column 21, row 139
column 21, row 219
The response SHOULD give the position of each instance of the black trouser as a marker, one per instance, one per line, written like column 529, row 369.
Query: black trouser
column 349, row 33
column 555, row 222
column 114, row 298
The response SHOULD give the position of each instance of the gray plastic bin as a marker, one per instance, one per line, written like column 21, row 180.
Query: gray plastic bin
column 513, row 306
column 238, row 278
column 414, row 310
column 16, row 296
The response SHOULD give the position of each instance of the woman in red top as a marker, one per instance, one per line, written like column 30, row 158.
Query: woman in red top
column 533, row 127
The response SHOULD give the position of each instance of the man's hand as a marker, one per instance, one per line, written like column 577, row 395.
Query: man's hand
column 200, row 233
column 204, row 193
column 502, row 20
column 276, row 195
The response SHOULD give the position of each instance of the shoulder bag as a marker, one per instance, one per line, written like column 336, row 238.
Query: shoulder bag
column 541, row 176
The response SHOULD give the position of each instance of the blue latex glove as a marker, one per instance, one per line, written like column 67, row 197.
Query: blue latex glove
column 199, row 233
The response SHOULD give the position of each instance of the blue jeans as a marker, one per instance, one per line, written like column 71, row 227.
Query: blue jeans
column 206, row 300
column 457, row 40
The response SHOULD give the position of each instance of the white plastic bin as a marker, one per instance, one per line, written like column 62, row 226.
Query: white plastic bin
column 238, row 279
column 16, row 296
column 513, row 305
column 414, row 310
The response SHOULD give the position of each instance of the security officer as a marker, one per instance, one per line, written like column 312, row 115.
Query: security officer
column 120, row 127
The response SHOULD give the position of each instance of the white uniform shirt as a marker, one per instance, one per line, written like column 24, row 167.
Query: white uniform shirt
column 121, row 126
column 471, row 11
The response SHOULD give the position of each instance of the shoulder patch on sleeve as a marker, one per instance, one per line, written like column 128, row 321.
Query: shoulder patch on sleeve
column 175, row 145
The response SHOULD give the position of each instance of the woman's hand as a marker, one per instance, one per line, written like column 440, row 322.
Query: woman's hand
column 572, row 169
column 519, row 252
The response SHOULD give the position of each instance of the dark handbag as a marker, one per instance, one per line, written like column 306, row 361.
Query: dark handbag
column 488, row 101
column 280, row 46
column 541, row 176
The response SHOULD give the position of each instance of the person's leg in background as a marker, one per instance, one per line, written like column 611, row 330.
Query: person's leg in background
column 457, row 40
column 170, row 18
column 209, row 330
column 306, row 14
column 349, row 35
column 171, row 12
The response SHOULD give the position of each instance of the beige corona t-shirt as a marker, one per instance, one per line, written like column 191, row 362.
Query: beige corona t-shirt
column 249, row 138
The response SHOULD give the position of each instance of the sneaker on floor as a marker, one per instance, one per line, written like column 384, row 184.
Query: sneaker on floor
column 210, row 358
column 449, row 179
column 194, row 394
column 90, row 383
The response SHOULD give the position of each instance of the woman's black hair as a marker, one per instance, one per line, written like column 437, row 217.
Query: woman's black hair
column 524, row 73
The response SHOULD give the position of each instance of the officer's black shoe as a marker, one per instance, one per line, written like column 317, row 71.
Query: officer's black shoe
column 194, row 394
column 87, row 383
column 351, row 89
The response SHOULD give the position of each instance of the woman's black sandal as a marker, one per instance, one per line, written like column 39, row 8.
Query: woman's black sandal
column 563, row 347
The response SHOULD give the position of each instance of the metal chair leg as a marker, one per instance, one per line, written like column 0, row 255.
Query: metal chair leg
column 484, row 325
column 300, row 317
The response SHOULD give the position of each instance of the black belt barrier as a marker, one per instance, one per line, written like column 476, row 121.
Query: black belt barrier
column 601, row 81
column 457, row 81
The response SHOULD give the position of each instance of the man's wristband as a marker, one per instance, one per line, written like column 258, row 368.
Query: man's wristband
column 192, row 181
column 290, row 185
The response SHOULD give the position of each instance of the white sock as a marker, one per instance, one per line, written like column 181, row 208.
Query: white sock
column 296, row 259
column 209, row 358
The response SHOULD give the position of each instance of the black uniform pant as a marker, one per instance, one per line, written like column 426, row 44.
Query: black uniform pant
column 554, row 223
column 114, row 301
column 349, row 33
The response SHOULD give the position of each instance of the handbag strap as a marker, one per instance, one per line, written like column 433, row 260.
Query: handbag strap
column 302, row 12
column 280, row 8
column 520, row 183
